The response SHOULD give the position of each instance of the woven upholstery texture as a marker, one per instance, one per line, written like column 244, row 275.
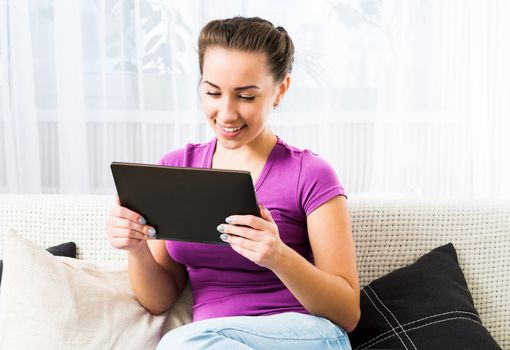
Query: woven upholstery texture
column 53, row 219
column 389, row 233
column 393, row 233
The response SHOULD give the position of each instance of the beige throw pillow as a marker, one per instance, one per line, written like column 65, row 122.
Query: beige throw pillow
column 49, row 302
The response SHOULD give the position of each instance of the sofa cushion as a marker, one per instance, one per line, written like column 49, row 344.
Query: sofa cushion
column 50, row 302
column 425, row 305
column 65, row 249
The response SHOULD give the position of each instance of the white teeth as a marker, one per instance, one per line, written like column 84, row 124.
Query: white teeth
column 231, row 129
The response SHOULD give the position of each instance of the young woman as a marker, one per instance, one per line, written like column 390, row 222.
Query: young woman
column 286, row 280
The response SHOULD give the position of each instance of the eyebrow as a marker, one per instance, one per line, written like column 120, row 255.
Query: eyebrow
column 236, row 89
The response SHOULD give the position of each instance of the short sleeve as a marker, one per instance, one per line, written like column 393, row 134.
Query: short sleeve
column 318, row 182
column 192, row 155
column 173, row 158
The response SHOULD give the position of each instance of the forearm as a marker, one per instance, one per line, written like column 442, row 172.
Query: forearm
column 154, row 287
column 320, row 292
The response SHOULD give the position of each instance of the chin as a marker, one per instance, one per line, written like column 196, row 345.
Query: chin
column 230, row 144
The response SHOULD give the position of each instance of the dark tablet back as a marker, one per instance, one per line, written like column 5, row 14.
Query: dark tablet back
column 185, row 204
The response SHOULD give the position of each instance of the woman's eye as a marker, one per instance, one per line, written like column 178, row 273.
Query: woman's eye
column 247, row 97
column 210, row 93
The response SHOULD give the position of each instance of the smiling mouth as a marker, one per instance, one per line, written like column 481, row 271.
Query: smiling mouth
column 231, row 129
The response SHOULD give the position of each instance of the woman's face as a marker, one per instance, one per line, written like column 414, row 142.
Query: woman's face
column 238, row 93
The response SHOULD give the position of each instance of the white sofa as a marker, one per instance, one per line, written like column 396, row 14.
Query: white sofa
column 389, row 233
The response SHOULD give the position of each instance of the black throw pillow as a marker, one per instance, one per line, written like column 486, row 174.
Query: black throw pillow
column 65, row 249
column 426, row 305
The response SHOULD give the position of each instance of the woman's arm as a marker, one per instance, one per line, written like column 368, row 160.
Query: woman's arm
column 156, row 279
column 330, row 288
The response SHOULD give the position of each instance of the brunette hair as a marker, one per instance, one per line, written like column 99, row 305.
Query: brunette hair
column 250, row 34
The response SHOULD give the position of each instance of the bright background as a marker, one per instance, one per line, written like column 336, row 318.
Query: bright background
column 404, row 98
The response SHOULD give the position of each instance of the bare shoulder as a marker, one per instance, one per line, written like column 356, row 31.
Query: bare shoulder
column 333, row 214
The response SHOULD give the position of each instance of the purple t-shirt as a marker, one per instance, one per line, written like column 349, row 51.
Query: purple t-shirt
column 292, row 184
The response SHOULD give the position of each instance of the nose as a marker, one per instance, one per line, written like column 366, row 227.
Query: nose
column 227, row 111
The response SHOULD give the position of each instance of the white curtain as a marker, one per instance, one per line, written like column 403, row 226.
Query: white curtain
column 403, row 98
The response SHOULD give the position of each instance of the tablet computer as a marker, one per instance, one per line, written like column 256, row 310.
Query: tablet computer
column 184, row 204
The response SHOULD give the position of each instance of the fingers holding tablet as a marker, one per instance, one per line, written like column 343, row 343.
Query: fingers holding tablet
column 171, row 197
column 128, row 213
column 127, row 229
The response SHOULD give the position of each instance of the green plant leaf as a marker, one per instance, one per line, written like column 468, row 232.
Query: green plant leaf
column 180, row 23
column 113, row 51
column 145, row 9
column 129, row 66
column 152, row 42
column 180, row 43
column 152, row 22
column 165, row 52
column 151, row 70
column 149, row 58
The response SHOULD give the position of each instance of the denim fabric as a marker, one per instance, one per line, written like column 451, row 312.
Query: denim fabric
column 291, row 330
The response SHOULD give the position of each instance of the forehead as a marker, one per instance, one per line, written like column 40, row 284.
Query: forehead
column 230, row 67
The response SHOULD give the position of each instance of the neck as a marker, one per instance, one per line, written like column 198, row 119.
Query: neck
column 259, row 148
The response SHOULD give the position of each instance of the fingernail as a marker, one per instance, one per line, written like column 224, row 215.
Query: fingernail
column 142, row 221
column 224, row 237
column 228, row 220
column 220, row 228
column 152, row 232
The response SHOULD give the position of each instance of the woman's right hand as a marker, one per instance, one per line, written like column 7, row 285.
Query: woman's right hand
column 127, row 230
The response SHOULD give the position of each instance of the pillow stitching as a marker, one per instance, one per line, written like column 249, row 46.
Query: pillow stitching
column 418, row 320
column 391, row 313
column 427, row 324
column 396, row 333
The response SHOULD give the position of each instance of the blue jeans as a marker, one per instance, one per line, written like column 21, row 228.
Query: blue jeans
column 289, row 330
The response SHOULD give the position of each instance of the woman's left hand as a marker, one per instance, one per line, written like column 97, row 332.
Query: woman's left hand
column 257, row 239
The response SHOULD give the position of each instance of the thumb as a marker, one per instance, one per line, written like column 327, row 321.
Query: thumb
column 266, row 215
column 117, row 200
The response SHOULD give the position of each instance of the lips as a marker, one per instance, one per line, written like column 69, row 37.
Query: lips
column 226, row 129
column 230, row 132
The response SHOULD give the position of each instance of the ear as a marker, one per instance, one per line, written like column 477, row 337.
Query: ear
column 282, row 89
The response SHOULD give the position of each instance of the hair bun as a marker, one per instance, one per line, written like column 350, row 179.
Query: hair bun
column 252, row 34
